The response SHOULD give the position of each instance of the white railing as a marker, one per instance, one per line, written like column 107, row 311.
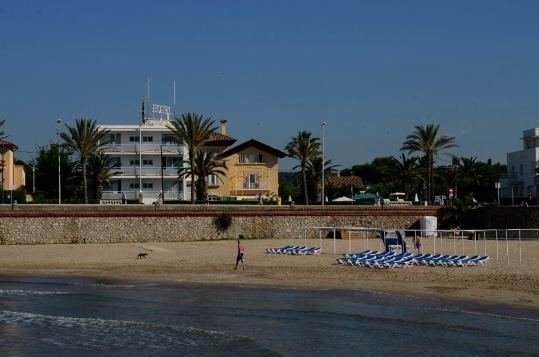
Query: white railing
column 144, row 148
column 144, row 171
column 502, row 245
column 133, row 195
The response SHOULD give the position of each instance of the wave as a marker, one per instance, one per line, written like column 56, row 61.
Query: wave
column 20, row 292
column 95, row 333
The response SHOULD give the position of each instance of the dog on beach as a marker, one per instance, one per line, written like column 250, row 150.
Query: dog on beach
column 142, row 255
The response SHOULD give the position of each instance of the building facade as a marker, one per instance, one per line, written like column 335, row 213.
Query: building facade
column 11, row 175
column 147, row 162
column 252, row 169
column 521, row 168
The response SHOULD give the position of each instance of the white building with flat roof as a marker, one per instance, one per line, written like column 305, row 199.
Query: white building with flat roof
column 521, row 166
column 146, row 160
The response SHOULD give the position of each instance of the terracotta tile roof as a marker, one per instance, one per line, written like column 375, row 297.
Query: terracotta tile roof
column 346, row 181
column 218, row 139
column 219, row 136
column 4, row 143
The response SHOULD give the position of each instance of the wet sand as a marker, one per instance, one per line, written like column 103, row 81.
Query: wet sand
column 498, row 282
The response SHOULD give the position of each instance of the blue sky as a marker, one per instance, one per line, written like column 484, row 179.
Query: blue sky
column 371, row 69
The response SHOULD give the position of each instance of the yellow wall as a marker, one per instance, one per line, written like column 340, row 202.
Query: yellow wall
column 12, row 174
column 233, row 183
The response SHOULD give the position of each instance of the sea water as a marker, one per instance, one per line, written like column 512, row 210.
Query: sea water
column 87, row 317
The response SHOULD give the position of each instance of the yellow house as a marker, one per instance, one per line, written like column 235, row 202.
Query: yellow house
column 252, row 169
column 12, row 176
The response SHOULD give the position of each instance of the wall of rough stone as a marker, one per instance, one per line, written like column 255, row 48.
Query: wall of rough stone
column 504, row 217
column 113, row 226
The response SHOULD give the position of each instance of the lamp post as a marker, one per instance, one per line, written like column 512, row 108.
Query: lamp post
column 323, row 125
column 58, row 121
column 162, row 174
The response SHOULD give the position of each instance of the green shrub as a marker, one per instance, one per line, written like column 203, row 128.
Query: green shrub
column 223, row 221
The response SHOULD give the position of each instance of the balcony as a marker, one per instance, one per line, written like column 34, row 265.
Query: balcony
column 145, row 148
column 133, row 195
column 135, row 171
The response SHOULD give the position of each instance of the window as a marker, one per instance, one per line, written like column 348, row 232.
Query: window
column 521, row 170
column 134, row 185
column 252, row 158
column 251, row 182
column 113, row 139
column 172, row 162
column 147, row 162
column 134, row 162
column 134, row 139
column 147, row 185
column 212, row 180
column 147, row 139
column 513, row 171
column 167, row 140
column 115, row 162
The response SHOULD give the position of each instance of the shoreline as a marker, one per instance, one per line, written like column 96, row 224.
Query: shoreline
column 211, row 262
column 462, row 305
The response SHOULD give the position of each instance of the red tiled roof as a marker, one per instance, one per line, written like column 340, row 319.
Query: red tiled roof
column 346, row 181
column 218, row 136
column 5, row 143
column 218, row 139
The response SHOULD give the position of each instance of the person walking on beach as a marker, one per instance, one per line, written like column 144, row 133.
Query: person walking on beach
column 239, row 257
column 417, row 244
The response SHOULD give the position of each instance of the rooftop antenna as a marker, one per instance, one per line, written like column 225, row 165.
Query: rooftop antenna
column 148, row 91
column 174, row 98
column 142, row 111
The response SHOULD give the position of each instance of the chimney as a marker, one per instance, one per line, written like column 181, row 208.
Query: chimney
column 223, row 126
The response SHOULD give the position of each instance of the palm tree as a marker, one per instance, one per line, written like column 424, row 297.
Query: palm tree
column 407, row 170
column 192, row 130
column 85, row 139
column 468, row 170
column 304, row 147
column 100, row 169
column 203, row 165
column 314, row 172
column 425, row 140
column 3, row 150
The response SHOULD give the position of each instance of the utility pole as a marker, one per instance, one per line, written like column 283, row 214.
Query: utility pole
column 323, row 125
column 58, row 121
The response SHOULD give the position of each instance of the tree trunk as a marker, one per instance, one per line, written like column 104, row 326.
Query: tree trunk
column 429, row 178
column 192, row 163
column 304, row 177
column 85, row 180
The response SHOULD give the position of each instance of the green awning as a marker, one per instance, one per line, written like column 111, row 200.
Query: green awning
column 365, row 196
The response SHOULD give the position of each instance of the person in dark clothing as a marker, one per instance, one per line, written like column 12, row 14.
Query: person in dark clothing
column 239, row 257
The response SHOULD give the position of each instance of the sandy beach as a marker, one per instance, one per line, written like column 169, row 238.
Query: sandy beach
column 498, row 282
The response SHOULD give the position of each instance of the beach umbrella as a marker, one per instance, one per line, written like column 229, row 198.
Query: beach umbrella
column 416, row 199
column 343, row 199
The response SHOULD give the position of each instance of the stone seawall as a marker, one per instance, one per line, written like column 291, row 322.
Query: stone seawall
column 504, row 217
column 26, row 226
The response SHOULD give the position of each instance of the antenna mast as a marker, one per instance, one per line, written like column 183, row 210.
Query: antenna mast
column 174, row 98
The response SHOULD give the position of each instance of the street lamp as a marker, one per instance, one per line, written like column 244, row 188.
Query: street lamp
column 58, row 121
column 498, row 185
column 323, row 125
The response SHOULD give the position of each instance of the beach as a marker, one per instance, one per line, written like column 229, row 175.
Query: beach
column 514, row 283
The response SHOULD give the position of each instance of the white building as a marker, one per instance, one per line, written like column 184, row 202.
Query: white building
column 521, row 165
column 146, row 161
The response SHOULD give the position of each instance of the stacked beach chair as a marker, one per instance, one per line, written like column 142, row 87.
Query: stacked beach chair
column 294, row 250
column 389, row 260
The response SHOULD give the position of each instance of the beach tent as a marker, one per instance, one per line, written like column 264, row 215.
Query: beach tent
column 365, row 196
column 343, row 199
